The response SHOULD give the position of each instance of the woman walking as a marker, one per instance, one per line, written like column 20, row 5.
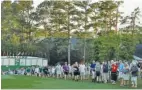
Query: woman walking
column 76, row 71
column 126, row 75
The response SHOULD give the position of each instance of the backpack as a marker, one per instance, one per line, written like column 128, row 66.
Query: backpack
column 134, row 69
column 105, row 68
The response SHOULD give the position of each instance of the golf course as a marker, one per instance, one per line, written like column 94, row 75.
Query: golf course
column 31, row 82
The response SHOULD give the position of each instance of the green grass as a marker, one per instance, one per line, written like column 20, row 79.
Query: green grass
column 30, row 82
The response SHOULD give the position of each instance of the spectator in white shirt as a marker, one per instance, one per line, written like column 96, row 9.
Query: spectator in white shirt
column 82, row 71
column 37, row 71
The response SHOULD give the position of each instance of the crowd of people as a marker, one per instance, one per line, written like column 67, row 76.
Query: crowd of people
column 100, row 72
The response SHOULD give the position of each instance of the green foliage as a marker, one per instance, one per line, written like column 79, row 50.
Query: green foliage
column 45, row 31
column 115, row 46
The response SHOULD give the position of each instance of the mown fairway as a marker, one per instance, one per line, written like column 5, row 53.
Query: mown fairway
column 29, row 82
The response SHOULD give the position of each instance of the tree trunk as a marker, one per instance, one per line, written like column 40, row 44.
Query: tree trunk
column 84, row 50
column 29, row 35
column 48, row 56
column 116, row 20
column 45, row 31
column 133, row 26
column 85, row 34
column 50, row 41
column 69, row 47
column 106, row 25
column 110, row 22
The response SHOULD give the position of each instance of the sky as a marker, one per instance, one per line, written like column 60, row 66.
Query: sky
column 127, row 7
column 130, row 5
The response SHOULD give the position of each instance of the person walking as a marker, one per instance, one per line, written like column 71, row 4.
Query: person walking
column 70, row 71
column 65, row 70
column 93, row 74
column 102, row 73
column 98, row 72
column 87, row 71
column 120, row 70
column 52, row 71
column 45, row 71
column 82, row 71
column 114, row 68
column 37, row 71
column 32, row 71
column 134, row 74
column 139, row 66
column 76, row 71
column 141, row 70
column 126, row 74
column 105, row 72
column 109, row 71
column 28, row 71
column 58, row 71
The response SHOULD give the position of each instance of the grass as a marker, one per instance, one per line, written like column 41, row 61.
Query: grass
column 30, row 82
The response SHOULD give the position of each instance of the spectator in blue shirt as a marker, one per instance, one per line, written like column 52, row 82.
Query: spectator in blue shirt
column 93, row 65
column 120, row 69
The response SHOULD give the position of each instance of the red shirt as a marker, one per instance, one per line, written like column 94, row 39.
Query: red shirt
column 114, row 68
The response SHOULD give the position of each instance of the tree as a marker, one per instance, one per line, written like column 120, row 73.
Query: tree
column 132, row 21
column 86, row 10
column 69, row 12
column 109, row 14
column 48, row 30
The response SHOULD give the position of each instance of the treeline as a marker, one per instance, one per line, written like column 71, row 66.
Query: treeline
column 45, row 31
